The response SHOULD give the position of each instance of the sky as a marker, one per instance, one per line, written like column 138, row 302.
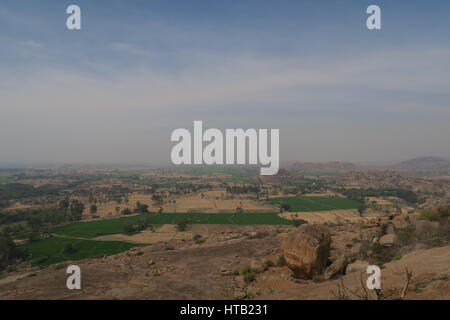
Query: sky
column 114, row 91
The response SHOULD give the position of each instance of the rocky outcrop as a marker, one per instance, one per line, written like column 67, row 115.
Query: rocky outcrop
column 388, row 240
column 337, row 268
column 400, row 221
column 357, row 266
column 306, row 250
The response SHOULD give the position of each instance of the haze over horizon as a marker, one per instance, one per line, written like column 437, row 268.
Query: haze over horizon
column 114, row 91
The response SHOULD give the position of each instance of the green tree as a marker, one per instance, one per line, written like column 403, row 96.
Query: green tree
column 64, row 204
column 361, row 209
column 9, row 251
column 76, row 209
column 126, row 211
column 285, row 206
column 93, row 209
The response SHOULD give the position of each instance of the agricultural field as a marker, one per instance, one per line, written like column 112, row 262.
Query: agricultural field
column 52, row 250
column 4, row 177
column 311, row 204
column 215, row 201
column 97, row 228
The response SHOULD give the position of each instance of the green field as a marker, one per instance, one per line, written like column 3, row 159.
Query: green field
column 49, row 251
column 4, row 177
column 308, row 204
column 92, row 229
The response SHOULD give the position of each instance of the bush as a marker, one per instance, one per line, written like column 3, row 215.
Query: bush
column 376, row 247
column 245, row 269
column 141, row 208
column 405, row 236
column 182, row 225
column 298, row 222
column 197, row 237
column 285, row 206
column 268, row 263
column 126, row 211
column 436, row 214
column 249, row 276
column 128, row 228
column 396, row 258
column 381, row 254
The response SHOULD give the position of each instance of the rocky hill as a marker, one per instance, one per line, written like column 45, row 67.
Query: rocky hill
column 333, row 166
column 424, row 164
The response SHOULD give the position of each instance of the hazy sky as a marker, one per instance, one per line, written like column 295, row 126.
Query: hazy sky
column 115, row 90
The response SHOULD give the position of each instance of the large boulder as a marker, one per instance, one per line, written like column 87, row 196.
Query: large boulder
column 306, row 250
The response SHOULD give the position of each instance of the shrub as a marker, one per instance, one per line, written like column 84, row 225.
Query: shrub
column 298, row 222
column 376, row 247
column 196, row 236
column 436, row 214
column 245, row 269
column 405, row 236
column 285, row 206
column 126, row 211
column 396, row 258
column 182, row 225
column 249, row 276
column 141, row 208
column 260, row 235
column 268, row 263
column 128, row 229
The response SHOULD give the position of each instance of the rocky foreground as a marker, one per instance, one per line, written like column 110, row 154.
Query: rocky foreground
column 309, row 262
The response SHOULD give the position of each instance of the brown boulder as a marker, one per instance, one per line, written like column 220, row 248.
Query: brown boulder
column 336, row 268
column 400, row 221
column 306, row 250
column 388, row 240
column 357, row 266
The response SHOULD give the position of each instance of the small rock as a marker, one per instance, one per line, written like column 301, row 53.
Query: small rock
column 400, row 221
column 388, row 240
column 336, row 268
column 357, row 266
column 226, row 272
column 239, row 294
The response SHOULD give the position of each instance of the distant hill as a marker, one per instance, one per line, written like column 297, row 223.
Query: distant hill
column 424, row 164
column 332, row 166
